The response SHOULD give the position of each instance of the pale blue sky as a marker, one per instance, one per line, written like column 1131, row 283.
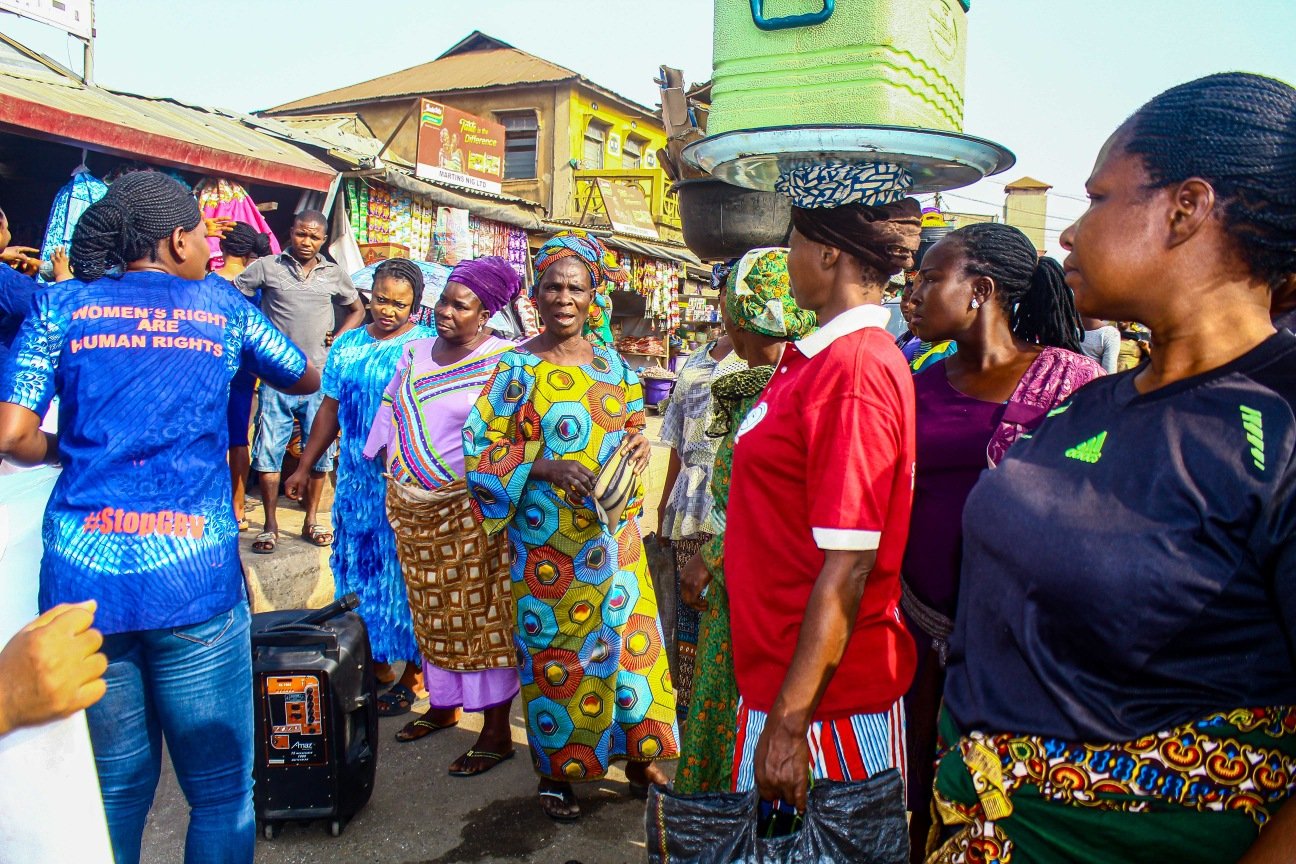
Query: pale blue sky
column 1050, row 79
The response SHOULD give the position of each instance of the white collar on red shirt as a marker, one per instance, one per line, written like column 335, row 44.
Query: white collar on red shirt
column 848, row 322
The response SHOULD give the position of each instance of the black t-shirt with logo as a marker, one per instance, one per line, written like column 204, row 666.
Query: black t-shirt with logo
column 1133, row 565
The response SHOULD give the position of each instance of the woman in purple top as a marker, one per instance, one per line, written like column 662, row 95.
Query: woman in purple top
column 1018, row 335
column 458, row 578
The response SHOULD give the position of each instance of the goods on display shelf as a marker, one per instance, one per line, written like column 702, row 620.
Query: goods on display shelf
column 647, row 346
column 446, row 235
column 657, row 282
column 700, row 310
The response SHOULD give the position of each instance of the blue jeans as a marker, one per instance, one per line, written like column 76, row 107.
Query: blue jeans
column 192, row 686
column 274, row 429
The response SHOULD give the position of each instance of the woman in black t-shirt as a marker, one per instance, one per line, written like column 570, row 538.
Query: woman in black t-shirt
column 1122, row 680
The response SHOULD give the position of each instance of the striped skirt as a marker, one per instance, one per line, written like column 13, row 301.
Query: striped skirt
column 849, row 748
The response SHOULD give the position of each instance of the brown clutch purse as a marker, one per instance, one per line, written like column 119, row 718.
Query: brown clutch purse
column 614, row 487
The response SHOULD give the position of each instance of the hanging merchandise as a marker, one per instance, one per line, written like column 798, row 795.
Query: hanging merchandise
column 657, row 282
column 219, row 198
column 70, row 202
column 452, row 241
column 496, row 238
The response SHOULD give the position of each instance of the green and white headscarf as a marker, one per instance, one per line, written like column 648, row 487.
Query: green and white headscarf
column 759, row 297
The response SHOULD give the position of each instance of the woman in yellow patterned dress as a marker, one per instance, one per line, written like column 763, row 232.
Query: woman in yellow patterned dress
column 594, row 672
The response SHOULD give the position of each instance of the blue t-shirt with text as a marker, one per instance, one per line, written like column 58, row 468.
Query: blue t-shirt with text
column 141, row 519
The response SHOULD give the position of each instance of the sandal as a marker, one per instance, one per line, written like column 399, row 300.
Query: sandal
column 244, row 525
column 560, row 804
column 492, row 759
column 421, row 728
column 317, row 535
column 266, row 542
column 396, row 701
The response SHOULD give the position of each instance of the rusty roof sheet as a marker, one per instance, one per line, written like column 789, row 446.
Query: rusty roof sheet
column 38, row 100
column 474, row 69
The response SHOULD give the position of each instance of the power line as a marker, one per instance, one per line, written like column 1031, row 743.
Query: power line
column 1079, row 198
column 999, row 207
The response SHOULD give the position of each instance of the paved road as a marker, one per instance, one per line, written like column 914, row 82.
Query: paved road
column 420, row 815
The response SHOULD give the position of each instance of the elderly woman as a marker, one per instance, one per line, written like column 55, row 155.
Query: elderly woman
column 685, row 505
column 555, row 412
column 818, row 517
column 1122, row 678
column 761, row 317
column 457, row 576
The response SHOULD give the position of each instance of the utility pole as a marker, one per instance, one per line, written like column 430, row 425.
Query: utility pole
column 87, row 55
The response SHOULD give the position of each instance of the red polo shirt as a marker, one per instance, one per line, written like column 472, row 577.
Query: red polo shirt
column 825, row 461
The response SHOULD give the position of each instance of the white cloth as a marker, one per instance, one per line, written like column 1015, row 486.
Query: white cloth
column 50, row 806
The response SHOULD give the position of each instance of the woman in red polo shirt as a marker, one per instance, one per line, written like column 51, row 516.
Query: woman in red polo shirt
column 818, row 518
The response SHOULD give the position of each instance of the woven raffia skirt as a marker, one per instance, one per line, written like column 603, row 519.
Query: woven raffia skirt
column 457, row 576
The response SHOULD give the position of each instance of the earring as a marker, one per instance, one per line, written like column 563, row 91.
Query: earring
column 976, row 304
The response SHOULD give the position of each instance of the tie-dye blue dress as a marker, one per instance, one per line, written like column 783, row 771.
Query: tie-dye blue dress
column 364, row 549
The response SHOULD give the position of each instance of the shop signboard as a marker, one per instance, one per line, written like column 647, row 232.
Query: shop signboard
column 627, row 208
column 70, row 16
column 457, row 148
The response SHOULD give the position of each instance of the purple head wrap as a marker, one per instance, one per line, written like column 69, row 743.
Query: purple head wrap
column 492, row 279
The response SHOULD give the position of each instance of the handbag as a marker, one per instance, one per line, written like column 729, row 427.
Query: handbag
column 614, row 487
column 861, row 821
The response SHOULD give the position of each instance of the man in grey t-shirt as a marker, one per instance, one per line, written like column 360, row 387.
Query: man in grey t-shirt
column 1101, row 342
column 299, row 290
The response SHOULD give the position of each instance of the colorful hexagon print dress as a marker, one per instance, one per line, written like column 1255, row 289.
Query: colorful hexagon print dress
column 594, row 672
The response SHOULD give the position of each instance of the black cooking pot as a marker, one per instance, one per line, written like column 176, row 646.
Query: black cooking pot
column 723, row 221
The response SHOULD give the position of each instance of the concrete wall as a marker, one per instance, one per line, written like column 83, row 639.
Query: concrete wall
column 1026, row 209
column 563, row 113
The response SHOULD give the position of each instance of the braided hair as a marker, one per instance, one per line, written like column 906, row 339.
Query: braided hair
column 1236, row 131
column 404, row 270
column 244, row 241
column 140, row 210
column 1032, row 289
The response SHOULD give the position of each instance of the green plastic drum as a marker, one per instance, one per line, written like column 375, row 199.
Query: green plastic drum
column 819, row 62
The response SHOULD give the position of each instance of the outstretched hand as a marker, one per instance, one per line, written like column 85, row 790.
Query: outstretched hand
column 219, row 227
column 24, row 259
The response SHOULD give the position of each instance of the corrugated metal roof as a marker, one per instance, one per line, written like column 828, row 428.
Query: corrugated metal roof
column 661, row 250
column 475, row 70
column 40, row 102
column 472, row 68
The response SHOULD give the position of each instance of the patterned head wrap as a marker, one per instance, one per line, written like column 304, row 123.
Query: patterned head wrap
column 602, row 267
column 759, row 298
column 836, row 183
column 491, row 278
column 591, row 252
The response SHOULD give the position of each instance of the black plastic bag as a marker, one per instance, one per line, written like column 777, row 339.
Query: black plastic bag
column 661, row 570
column 859, row 821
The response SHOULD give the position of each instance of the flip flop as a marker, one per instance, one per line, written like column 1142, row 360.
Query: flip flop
column 560, row 805
column 244, row 525
column 396, row 701
column 493, row 759
column 416, row 729
column 266, row 542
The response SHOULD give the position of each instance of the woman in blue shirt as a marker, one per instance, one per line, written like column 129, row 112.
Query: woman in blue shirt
column 140, row 350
